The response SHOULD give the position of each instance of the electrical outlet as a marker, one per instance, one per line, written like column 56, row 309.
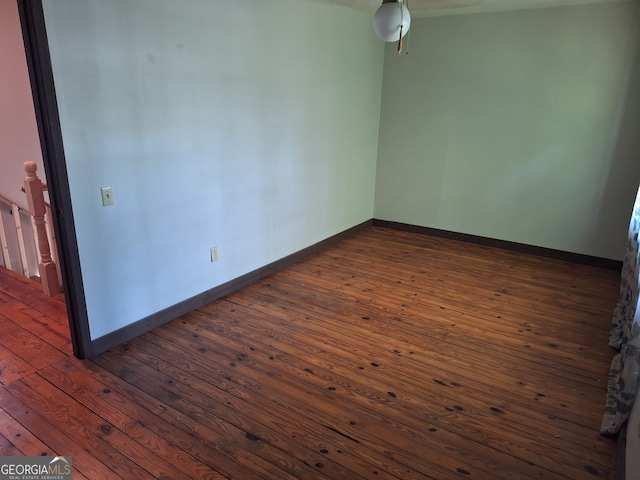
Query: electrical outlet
column 214, row 254
column 107, row 196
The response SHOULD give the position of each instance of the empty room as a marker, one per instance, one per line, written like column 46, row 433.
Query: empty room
column 291, row 244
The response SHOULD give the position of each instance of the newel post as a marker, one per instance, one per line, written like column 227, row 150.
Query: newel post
column 35, row 197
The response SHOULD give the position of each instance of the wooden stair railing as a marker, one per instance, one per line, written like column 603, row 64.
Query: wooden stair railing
column 8, row 244
column 34, row 189
column 22, row 251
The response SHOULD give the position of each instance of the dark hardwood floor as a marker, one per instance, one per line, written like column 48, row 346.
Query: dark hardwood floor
column 392, row 355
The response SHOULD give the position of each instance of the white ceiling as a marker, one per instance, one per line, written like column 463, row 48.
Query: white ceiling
column 427, row 8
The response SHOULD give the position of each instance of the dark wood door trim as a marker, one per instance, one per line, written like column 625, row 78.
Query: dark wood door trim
column 46, row 109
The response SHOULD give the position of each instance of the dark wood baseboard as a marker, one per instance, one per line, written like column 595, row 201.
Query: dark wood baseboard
column 129, row 332
column 505, row 245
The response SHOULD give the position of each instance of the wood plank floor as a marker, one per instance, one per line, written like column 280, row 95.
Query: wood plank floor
column 390, row 356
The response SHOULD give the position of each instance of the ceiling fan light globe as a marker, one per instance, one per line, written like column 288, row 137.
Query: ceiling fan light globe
column 389, row 18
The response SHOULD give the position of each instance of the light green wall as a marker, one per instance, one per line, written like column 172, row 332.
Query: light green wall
column 253, row 126
column 521, row 126
column 248, row 125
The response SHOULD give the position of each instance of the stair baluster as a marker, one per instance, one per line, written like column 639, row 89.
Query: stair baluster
column 34, row 189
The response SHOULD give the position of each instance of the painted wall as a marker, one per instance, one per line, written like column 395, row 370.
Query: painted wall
column 19, row 140
column 251, row 126
column 520, row 126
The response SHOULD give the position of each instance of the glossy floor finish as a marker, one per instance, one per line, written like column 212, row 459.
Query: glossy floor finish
column 391, row 355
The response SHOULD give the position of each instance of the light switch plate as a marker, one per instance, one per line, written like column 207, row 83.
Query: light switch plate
column 107, row 196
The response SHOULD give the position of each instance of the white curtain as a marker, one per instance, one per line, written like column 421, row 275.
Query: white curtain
column 625, row 335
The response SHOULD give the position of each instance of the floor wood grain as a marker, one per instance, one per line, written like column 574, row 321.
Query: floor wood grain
column 392, row 355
